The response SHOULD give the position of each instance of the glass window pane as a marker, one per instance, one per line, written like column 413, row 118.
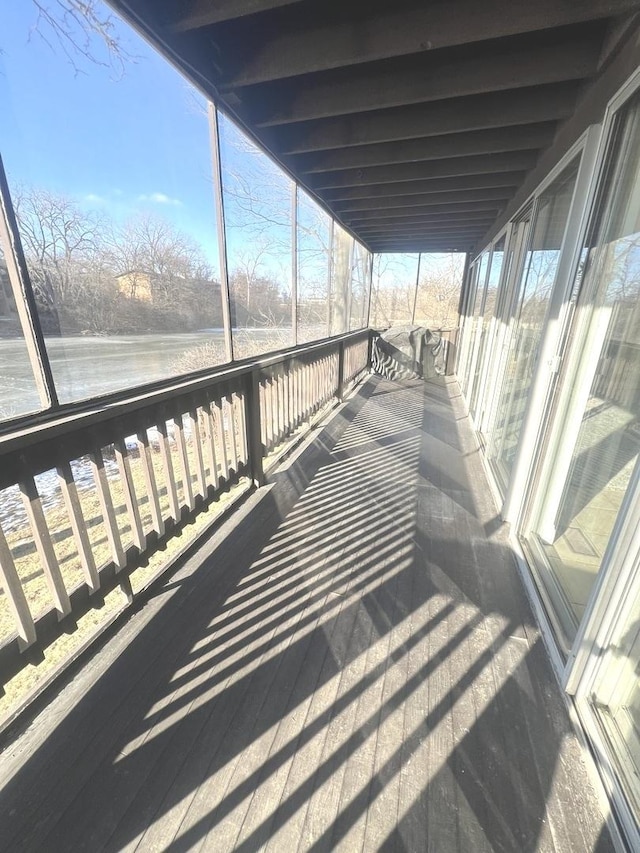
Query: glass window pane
column 340, row 294
column 393, row 289
column 537, row 282
column 111, row 179
column 18, row 389
column 257, row 209
column 475, row 325
column 600, row 436
column 359, row 287
column 484, row 328
column 439, row 291
column 314, row 246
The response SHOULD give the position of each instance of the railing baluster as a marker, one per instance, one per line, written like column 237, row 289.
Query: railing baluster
column 210, row 445
column 169, row 476
column 197, row 450
column 44, row 545
column 185, row 471
column 222, row 444
column 242, row 429
column 130, row 497
column 157, row 521
column 96, row 463
column 78, row 524
column 268, row 396
column 252, row 421
column 233, row 444
column 16, row 598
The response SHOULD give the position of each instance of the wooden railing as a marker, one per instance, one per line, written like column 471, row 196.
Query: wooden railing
column 91, row 492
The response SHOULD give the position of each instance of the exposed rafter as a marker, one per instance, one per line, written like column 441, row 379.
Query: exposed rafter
column 203, row 13
column 367, row 90
column 519, row 138
column 453, row 185
column 460, row 115
column 414, row 123
column 471, row 200
column 319, row 42
column 480, row 164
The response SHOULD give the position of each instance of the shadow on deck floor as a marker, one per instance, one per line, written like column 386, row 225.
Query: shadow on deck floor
column 351, row 664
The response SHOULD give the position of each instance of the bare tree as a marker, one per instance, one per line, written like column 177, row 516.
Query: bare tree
column 84, row 30
column 64, row 248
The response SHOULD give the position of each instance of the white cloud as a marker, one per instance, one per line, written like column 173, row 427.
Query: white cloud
column 159, row 198
column 92, row 198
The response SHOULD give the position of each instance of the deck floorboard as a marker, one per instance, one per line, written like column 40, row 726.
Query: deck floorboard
column 349, row 663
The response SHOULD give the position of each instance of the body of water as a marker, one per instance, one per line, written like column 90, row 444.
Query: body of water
column 88, row 366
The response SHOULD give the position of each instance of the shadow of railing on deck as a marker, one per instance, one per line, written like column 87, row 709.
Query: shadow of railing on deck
column 342, row 654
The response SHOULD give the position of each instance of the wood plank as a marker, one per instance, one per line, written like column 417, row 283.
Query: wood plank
column 197, row 451
column 167, row 467
column 96, row 463
column 231, row 431
column 455, row 202
column 493, row 141
column 322, row 42
column 367, row 90
column 459, row 115
column 210, row 445
column 14, row 594
column 205, row 13
column 130, row 496
column 44, row 545
column 241, row 422
column 403, row 173
column 448, row 190
column 221, row 437
column 148, row 473
column 78, row 524
column 185, row 472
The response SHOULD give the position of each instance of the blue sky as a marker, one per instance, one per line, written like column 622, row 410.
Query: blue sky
column 131, row 142
column 135, row 142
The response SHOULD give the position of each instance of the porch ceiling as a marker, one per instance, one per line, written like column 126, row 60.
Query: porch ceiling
column 411, row 113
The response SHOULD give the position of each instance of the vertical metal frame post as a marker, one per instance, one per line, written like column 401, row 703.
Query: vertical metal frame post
column 330, row 278
column 370, row 289
column 294, row 262
column 24, row 297
column 415, row 295
column 214, row 130
column 462, row 305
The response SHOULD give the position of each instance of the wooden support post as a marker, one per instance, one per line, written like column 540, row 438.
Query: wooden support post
column 252, row 420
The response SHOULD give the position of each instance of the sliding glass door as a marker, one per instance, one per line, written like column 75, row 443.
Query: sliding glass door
column 532, row 296
column 593, row 446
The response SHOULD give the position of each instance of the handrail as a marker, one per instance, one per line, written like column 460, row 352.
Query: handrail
column 139, row 466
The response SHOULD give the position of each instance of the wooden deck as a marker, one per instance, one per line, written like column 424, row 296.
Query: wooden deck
column 349, row 664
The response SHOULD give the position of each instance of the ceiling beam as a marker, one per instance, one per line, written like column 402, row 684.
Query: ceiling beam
column 320, row 44
column 366, row 90
column 442, row 247
column 480, row 164
column 460, row 115
column 421, row 232
column 496, row 140
column 425, row 217
column 204, row 13
column 472, row 200
column 462, row 183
